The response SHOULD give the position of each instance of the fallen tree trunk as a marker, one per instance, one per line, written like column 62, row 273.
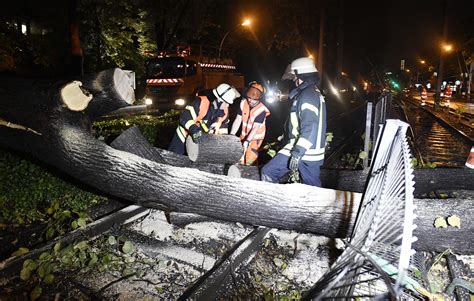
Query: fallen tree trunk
column 132, row 141
column 215, row 149
column 428, row 209
column 60, row 137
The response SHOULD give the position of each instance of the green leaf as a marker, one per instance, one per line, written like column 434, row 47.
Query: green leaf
column 25, row 274
column 74, row 225
column 50, row 233
column 94, row 259
column 42, row 271
column 362, row 155
column 20, row 251
column 48, row 279
column 36, row 292
column 127, row 272
column 329, row 137
column 82, row 245
column 83, row 215
column 111, row 240
column 45, row 256
column 81, row 222
column 128, row 247
column 454, row 221
column 267, row 242
column 30, row 264
column 440, row 222
column 271, row 153
column 57, row 248
column 278, row 262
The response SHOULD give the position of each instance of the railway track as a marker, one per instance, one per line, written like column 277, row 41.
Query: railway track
column 435, row 141
column 174, row 256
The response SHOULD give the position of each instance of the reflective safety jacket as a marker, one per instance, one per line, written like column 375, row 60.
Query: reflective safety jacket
column 306, row 128
column 248, row 120
column 203, row 113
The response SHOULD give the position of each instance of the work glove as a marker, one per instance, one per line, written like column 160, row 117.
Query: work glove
column 294, row 163
column 197, row 137
column 296, row 154
column 196, row 133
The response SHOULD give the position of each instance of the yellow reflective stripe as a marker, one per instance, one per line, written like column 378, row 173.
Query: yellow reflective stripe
column 285, row 152
column 305, row 143
column 294, row 124
column 308, row 106
column 181, row 133
column 313, row 152
column 194, row 116
column 313, row 157
column 308, row 156
column 204, row 126
column 188, row 124
column 192, row 111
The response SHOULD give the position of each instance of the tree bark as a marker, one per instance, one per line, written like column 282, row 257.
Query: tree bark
column 132, row 141
column 215, row 149
column 36, row 121
column 428, row 209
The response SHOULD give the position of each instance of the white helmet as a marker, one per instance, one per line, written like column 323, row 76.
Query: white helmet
column 226, row 93
column 303, row 65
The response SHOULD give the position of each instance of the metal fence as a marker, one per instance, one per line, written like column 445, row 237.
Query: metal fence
column 375, row 119
column 375, row 263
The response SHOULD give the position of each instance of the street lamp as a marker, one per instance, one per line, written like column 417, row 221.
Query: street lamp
column 447, row 47
column 246, row 23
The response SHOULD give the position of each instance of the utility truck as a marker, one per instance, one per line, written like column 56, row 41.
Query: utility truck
column 175, row 78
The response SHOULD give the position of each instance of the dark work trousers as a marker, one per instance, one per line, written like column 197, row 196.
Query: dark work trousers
column 278, row 167
column 176, row 146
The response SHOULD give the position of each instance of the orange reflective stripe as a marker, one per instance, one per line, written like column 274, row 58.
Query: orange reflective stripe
column 248, row 119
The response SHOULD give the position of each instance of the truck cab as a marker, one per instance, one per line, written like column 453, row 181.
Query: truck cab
column 174, row 79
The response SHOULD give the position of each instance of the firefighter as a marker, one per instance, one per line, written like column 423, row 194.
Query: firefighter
column 448, row 94
column 306, row 129
column 424, row 95
column 204, row 114
column 251, row 116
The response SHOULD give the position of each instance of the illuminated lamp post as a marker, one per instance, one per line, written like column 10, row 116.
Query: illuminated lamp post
column 246, row 23
column 445, row 48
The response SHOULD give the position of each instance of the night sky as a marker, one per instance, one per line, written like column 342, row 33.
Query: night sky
column 376, row 33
